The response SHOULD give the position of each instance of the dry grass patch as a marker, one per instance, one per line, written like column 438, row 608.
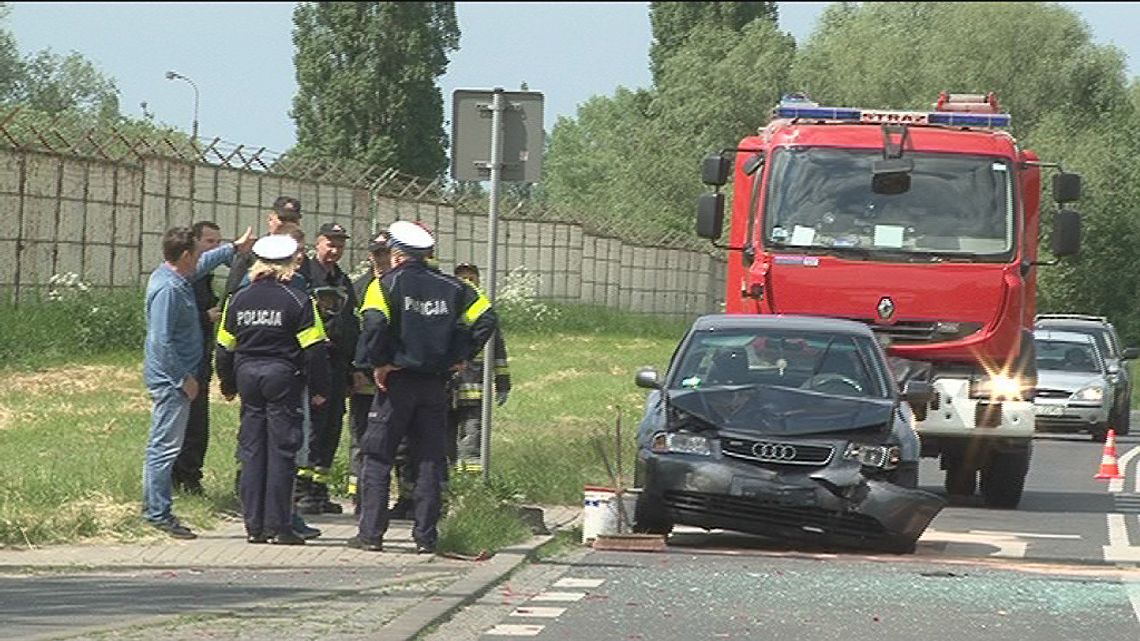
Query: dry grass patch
column 73, row 379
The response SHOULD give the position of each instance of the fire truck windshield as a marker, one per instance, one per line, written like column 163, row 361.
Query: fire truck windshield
column 957, row 206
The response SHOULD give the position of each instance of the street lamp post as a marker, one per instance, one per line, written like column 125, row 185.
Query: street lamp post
column 173, row 75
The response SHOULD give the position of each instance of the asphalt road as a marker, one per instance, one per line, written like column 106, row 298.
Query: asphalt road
column 1061, row 567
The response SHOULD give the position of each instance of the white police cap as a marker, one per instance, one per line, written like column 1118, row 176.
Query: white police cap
column 409, row 237
column 276, row 247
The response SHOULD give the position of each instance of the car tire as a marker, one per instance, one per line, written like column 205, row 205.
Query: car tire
column 1123, row 419
column 649, row 517
column 1099, row 433
column 961, row 481
column 1003, row 479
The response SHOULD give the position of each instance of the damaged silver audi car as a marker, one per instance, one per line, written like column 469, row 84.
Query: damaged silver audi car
column 787, row 427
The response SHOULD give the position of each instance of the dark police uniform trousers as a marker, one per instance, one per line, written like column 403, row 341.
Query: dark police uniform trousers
column 415, row 406
column 268, row 440
column 270, row 336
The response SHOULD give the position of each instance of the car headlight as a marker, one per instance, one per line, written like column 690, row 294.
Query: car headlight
column 681, row 443
column 885, row 457
column 1092, row 393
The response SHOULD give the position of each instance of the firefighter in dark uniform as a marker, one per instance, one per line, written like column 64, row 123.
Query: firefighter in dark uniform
column 418, row 326
column 270, row 338
column 466, row 416
column 337, row 303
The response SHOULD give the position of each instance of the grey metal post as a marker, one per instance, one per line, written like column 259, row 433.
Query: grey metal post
column 497, row 108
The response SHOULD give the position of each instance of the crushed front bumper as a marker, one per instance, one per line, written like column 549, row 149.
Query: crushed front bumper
column 834, row 504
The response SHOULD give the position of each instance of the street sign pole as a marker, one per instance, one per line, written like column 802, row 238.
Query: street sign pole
column 497, row 108
column 512, row 120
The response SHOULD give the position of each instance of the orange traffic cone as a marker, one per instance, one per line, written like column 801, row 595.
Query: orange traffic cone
column 1108, row 467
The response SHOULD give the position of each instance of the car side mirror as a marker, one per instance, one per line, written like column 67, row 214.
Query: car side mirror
column 1066, row 233
column 710, row 215
column 647, row 378
column 918, row 393
column 1066, row 187
column 715, row 168
column 1130, row 353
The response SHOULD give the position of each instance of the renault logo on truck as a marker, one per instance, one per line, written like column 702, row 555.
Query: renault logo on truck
column 886, row 308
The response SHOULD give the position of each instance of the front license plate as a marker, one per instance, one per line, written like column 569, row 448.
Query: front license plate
column 1050, row 410
column 772, row 493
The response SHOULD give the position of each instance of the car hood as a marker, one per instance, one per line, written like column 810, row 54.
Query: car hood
column 771, row 410
column 1067, row 381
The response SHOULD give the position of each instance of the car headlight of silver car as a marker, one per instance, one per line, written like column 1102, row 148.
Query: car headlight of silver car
column 1090, row 393
column 885, row 457
column 681, row 443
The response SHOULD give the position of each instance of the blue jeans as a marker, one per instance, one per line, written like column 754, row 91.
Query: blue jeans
column 167, row 429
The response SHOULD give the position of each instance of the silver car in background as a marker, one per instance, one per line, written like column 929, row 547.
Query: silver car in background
column 1074, row 388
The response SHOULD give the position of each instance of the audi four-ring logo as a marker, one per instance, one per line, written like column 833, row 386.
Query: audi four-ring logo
column 774, row 451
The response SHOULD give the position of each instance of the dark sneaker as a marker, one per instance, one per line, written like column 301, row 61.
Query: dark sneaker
column 191, row 488
column 331, row 507
column 256, row 538
column 358, row 543
column 423, row 548
column 309, row 507
column 304, row 530
column 287, row 538
column 175, row 529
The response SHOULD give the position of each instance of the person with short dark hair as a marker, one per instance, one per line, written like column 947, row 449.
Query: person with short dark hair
column 271, row 337
column 336, row 302
column 188, row 466
column 171, row 363
column 285, row 209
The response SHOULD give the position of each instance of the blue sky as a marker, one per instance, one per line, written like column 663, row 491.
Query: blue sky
column 240, row 54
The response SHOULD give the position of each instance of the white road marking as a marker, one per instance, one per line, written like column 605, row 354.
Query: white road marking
column 1118, row 549
column 1026, row 535
column 541, row 613
column 1117, row 531
column 515, row 630
column 1117, row 485
column 559, row 596
column 569, row 582
column 1132, row 589
column 1007, row 546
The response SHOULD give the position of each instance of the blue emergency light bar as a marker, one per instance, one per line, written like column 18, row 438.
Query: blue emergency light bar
column 950, row 119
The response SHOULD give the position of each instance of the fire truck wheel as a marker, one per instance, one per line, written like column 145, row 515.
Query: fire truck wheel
column 1003, row 479
column 961, row 481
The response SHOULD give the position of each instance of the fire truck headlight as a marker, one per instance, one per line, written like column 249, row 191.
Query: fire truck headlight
column 998, row 387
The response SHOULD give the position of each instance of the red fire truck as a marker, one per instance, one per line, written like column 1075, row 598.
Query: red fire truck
column 922, row 224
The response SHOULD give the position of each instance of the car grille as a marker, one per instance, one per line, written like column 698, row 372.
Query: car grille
column 1052, row 393
column 776, row 452
column 918, row 331
column 758, row 515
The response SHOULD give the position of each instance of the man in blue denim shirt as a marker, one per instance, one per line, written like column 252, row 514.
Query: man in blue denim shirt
column 173, row 355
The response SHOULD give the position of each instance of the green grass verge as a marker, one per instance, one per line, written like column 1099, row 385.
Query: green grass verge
column 73, row 427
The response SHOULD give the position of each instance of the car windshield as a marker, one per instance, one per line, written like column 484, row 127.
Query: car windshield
column 1066, row 356
column 1102, row 336
column 956, row 205
column 839, row 364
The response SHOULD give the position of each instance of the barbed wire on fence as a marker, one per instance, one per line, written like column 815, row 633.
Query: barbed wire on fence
column 130, row 142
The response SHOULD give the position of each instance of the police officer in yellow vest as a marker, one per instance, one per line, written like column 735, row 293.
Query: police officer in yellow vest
column 418, row 326
column 270, row 338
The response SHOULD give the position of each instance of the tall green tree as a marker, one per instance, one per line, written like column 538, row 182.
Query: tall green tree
column 366, row 76
column 672, row 24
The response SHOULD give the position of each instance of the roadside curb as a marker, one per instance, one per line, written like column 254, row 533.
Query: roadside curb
column 410, row 623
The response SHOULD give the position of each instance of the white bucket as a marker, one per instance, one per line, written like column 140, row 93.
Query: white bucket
column 600, row 511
